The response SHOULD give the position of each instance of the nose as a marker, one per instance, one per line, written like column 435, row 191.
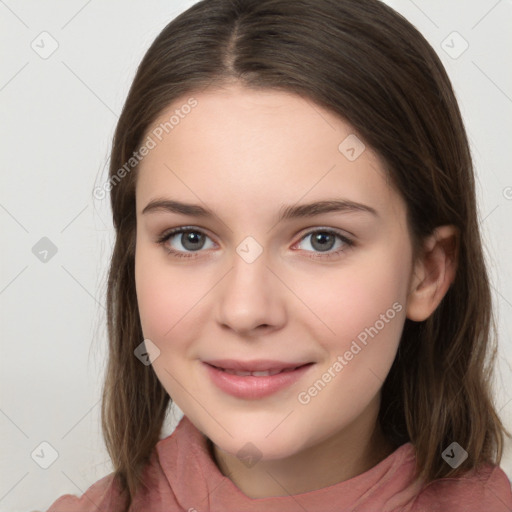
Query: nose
column 251, row 298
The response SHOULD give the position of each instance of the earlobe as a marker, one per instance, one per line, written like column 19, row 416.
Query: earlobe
column 434, row 272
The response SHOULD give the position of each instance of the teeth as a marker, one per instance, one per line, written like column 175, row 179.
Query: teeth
column 242, row 374
column 255, row 374
column 264, row 374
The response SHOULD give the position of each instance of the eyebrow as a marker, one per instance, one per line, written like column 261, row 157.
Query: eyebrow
column 287, row 212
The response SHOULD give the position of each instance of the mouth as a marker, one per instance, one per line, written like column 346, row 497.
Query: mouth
column 256, row 367
column 252, row 383
column 258, row 373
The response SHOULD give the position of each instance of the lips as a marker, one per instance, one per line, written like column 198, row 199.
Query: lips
column 262, row 373
column 257, row 379
column 260, row 367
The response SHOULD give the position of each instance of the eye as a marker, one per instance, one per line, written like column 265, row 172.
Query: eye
column 324, row 240
column 191, row 240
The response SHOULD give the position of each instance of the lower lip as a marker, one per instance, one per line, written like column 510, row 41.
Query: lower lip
column 251, row 387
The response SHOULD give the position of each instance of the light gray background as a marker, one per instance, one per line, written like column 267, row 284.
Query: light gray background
column 58, row 117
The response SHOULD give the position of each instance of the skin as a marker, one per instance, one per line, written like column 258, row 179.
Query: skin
column 243, row 154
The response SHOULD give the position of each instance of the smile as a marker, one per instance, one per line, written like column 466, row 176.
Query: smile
column 256, row 384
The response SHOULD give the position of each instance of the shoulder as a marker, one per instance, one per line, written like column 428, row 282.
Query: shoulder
column 105, row 494
column 101, row 496
column 487, row 488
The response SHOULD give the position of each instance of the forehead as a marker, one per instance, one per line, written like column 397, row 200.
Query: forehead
column 258, row 147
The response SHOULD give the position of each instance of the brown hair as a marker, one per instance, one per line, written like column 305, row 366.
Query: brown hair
column 369, row 65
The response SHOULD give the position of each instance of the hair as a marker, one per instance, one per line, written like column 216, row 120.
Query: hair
column 366, row 63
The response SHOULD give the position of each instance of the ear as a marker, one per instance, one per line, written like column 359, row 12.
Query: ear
column 433, row 273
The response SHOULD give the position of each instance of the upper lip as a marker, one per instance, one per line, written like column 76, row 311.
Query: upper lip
column 255, row 365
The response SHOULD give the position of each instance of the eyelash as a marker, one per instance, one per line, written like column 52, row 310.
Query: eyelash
column 185, row 229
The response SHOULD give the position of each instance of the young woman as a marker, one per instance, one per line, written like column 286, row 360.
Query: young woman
column 298, row 266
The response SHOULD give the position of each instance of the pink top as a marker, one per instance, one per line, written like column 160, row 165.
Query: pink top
column 184, row 477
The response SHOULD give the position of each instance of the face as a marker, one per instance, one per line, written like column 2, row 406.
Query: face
column 246, row 282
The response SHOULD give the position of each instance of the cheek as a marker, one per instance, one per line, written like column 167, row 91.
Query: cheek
column 360, row 312
column 364, row 309
column 348, row 299
column 166, row 300
column 165, row 297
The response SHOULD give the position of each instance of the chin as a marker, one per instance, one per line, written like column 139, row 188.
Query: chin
column 260, row 439
column 257, row 449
